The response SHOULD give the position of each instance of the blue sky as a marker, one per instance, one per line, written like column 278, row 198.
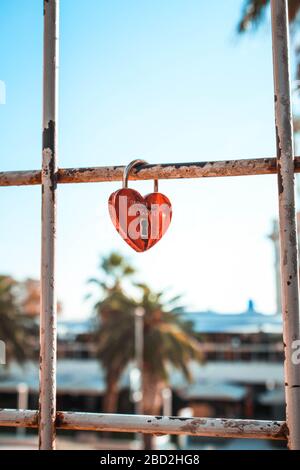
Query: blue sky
column 168, row 81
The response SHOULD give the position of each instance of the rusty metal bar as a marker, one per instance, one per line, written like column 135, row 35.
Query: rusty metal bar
column 287, row 218
column 211, row 427
column 242, row 167
column 19, row 418
column 47, row 397
column 173, row 425
column 20, row 178
column 208, row 169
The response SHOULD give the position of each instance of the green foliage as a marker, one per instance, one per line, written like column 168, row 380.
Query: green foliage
column 168, row 339
column 12, row 322
column 253, row 13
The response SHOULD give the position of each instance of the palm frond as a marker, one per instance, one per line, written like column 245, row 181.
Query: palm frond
column 252, row 14
column 254, row 10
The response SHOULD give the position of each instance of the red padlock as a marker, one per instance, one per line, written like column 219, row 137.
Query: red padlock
column 141, row 221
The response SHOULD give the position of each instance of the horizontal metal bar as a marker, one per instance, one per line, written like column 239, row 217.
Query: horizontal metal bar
column 20, row 178
column 244, row 167
column 19, row 418
column 172, row 425
column 225, row 428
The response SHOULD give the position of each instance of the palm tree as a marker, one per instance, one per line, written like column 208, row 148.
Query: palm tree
column 253, row 15
column 254, row 10
column 12, row 322
column 169, row 341
column 113, row 310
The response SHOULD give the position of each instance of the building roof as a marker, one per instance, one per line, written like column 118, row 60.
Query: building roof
column 246, row 322
column 239, row 323
column 238, row 372
column 213, row 392
column 85, row 376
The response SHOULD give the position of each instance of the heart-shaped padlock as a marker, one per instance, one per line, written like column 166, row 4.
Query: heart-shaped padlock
column 141, row 221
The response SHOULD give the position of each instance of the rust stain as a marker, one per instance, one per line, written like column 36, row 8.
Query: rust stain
column 176, row 418
column 283, row 432
column 59, row 421
column 49, row 137
column 192, row 426
column 49, row 145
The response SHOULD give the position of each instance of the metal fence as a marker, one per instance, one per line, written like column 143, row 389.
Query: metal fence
column 48, row 419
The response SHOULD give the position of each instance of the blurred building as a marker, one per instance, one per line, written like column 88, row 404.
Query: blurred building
column 241, row 376
column 274, row 237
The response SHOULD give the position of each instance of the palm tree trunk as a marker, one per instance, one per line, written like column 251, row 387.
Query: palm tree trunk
column 148, row 441
column 110, row 402
column 152, row 400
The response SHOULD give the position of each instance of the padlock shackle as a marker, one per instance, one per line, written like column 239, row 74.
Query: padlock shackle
column 128, row 169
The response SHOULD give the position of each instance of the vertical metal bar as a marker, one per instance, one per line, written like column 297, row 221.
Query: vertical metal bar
column 139, row 354
column 287, row 218
column 47, row 398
